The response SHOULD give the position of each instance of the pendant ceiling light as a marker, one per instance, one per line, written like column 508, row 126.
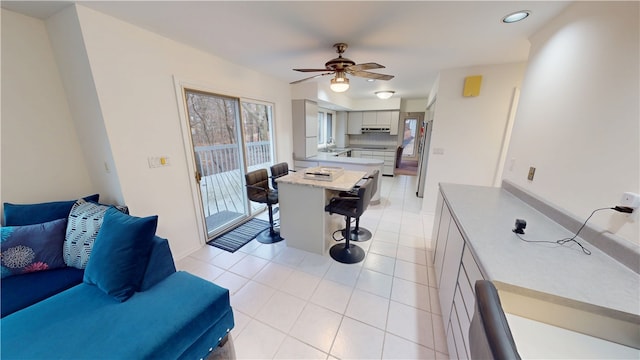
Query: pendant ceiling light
column 340, row 83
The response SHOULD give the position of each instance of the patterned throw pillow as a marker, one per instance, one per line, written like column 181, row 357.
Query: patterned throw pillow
column 32, row 248
column 85, row 220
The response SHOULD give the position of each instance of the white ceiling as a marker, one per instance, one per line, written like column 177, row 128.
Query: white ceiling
column 413, row 39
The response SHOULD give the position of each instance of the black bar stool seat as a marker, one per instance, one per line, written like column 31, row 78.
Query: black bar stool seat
column 359, row 233
column 351, row 206
column 258, row 191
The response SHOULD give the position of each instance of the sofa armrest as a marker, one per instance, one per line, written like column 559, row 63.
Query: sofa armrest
column 160, row 264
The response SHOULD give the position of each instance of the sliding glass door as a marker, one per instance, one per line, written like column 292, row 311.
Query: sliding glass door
column 257, row 126
column 216, row 139
column 229, row 137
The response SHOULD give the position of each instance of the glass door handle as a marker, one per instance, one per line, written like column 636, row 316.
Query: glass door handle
column 198, row 176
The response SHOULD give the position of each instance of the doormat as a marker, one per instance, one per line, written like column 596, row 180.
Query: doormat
column 236, row 238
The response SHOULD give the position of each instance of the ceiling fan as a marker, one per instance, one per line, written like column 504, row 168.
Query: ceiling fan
column 342, row 66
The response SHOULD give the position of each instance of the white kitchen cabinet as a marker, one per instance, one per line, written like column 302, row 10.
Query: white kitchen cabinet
column 440, row 233
column 389, row 163
column 305, row 128
column 456, row 274
column 340, row 129
column 450, row 268
column 369, row 118
column 354, row 123
column 383, row 118
column 395, row 122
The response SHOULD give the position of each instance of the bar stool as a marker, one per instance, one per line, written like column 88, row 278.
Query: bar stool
column 359, row 233
column 489, row 333
column 279, row 170
column 258, row 190
column 351, row 207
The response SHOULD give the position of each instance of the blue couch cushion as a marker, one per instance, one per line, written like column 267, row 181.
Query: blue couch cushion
column 121, row 253
column 160, row 263
column 32, row 248
column 29, row 214
column 18, row 292
column 83, row 322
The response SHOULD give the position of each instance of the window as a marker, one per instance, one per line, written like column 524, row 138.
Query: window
column 326, row 135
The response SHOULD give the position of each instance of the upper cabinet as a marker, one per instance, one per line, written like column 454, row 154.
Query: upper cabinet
column 354, row 123
column 359, row 119
column 395, row 122
column 369, row 118
column 383, row 118
column 305, row 128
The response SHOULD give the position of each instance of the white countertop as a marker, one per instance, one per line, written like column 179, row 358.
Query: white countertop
column 343, row 183
column 331, row 157
column 487, row 215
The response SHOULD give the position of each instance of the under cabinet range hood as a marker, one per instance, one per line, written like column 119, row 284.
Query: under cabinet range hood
column 375, row 129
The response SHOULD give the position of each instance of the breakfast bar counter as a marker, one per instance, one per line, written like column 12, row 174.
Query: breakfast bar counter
column 303, row 222
column 348, row 163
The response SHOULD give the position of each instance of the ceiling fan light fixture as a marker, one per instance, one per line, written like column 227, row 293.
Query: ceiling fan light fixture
column 340, row 83
column 516, row 16
column 384, row 95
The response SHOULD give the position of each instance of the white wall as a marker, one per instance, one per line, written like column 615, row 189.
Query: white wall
column 469, row 130
column 41, row 156
column 133, row 71
column 71, row 57
column 413, row 105
column 578, row 117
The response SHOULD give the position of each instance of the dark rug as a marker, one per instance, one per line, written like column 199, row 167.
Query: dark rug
column 407, row 167
column 221, row 218
column 236, row 238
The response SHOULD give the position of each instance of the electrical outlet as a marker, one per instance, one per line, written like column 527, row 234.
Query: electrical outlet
column 158, row 161
column 631, row 200
column 532, row 172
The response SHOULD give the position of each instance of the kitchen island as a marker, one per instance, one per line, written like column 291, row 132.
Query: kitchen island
column 303, row 222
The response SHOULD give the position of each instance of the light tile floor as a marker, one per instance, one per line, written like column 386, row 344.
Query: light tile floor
column 291, row 304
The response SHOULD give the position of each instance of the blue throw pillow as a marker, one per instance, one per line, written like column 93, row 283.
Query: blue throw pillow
column 29, row 214
column 120, row 253
column 32, row 248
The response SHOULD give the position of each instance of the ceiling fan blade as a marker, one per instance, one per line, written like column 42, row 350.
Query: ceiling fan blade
column 365, row 66
column 310, row 70
column 370, row 75
column 309, row 78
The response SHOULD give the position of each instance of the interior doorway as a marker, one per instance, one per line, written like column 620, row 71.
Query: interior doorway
column 411, row 135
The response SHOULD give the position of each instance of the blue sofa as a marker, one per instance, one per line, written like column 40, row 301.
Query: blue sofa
column 54, row 314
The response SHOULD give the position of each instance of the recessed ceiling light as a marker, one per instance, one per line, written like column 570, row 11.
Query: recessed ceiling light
column 516, row 16
column 371, row 80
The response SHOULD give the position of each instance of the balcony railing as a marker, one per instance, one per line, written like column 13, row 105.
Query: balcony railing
column 222, row 186
column 223, row 158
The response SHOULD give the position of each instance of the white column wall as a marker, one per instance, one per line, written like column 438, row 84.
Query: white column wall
column 469, row 130
column 41, row 156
